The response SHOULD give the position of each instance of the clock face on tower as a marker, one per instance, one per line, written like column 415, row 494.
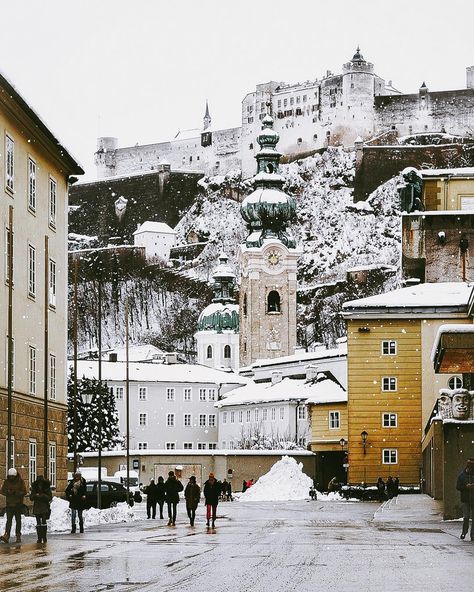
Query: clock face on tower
column 274, row 258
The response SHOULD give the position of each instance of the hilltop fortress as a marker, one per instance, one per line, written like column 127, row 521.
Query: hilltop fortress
column 335, row 111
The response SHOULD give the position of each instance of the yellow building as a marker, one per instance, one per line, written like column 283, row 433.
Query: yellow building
column 448, row 189
column 392, row 386
column 35, row 171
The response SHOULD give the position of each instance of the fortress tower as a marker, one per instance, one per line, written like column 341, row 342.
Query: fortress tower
column 267, row 260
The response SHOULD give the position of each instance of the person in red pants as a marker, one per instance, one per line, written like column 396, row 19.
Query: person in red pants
column 212, row 490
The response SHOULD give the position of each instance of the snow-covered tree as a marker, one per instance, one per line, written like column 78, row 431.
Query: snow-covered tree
column 86, row 417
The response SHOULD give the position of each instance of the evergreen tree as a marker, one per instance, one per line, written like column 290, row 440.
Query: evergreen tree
column 87, row 416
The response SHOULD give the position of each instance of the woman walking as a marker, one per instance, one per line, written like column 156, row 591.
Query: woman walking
column 172, row 487
column 192, row 495
column 41, row 496
column 76, row 494
column 212, row 490
column 14, row 490
column 161, row 495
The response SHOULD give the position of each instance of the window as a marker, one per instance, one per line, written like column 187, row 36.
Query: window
column 212, row 445
column 455, row 382
column 232, row 417
column 187, row 420
column 32, row 370
column 211, row 421
column 273, row 413
column 7, row 254
column 273, row 302
column 142, row 445
column 202, row 420
column 209, row 352
column 170, row 445
column 389, row 383
column 244, row 305
column 224, row 417
column 32, row 461
column 248, row 418
column 52, row 376
column 282, row 413
column 170, row 394
column 334, row 420
column 256, row 415
column 389, row 420
column 227, row 352
column 142, row 393
column 231, row 445
column 298, row 99
column 285, row 102
column 52, row 463
column 170, row 420
column 52, row 283
column 389, row 456
column 241, row 417
column 142, row 419
column 224, row 444
column 305, row 98
column 31, row 185
column 52, row 202
column 187, row 445
column 264, row 414
column 201, row 445
column 31, row 271
column 119, row 393
column 187, row 394
column 389, row 348
column 9, row 163
column 211, row 393
column 202, row 394
column 302, row 412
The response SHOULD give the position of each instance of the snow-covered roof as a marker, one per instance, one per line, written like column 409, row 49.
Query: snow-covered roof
column 195, row 452
column 158, row 227
column 458, row 172
column 324, row 390
column 136, row 353
column 422, row 296
column 149, row 372
column 188, row 134
column 450, row 328
column 371, row 266
column 319, row 354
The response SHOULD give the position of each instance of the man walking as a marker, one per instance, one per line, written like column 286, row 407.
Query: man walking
column 172, row 487
column 151, row 499
column 465, row 484
column 212, row 490
column 14, row 490
column 76, row 494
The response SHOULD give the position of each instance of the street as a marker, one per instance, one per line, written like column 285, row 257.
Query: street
column 259, row 546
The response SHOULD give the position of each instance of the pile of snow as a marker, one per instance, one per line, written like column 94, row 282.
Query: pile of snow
column 60, row 520
column 284, row 481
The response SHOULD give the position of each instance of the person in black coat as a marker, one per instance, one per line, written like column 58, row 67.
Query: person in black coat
column 380, row 489
column 161, row 495
column 390, row 487
column 76, row 494
column 151, row 499
column 172, row 488
column 41, row 496
column 192, row 495
column 465, row 485
column 212, row 490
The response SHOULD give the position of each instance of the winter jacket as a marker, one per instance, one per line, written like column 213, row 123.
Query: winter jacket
column 172, row 489
column 464, row 478
column 192, row 494
column 14, row 490
column 41, row 496
column 160, row 492
column 152, row 491
column 212, row 492
column 77, row 500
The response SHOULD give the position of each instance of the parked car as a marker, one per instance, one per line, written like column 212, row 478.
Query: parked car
column 111, row 494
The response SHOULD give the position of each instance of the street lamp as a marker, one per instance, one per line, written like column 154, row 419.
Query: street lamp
column 342, row 443
column 364, row 435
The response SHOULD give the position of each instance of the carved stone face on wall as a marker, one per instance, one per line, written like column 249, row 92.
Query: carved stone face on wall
column 461, row 402
column 455, row 404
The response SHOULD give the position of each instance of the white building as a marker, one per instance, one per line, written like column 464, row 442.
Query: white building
column 157, row 237
column 171, row 405
column 272, row 414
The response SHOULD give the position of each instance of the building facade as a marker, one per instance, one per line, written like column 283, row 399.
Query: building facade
column 35, row 171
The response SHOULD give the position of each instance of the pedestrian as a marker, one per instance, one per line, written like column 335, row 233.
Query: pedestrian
column 14, row 490
column 151, row 491
column 161, row 495
column 334, row 485
column 226, row 491
column 76, row 494
column 192, row 495
column 396, row 486
column 172, row 488
column 41, row 496
column 380, row 489
column 212, row 490
column 249, row 483
column 390, row 487
column 465, row 484
column 244, row 486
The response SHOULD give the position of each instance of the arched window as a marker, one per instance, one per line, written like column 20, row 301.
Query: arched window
column 209, row 351
column 270, row 168
column 455, row 382
column 273, row 301
column 227, row 352
column 244, row 306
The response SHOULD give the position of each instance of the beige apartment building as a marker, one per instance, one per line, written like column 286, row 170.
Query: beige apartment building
column 35, row 172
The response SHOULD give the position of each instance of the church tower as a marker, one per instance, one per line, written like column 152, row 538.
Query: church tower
column 268, row 260
column 217, row 336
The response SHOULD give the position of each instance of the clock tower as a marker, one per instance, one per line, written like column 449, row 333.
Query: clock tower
column 268, row 260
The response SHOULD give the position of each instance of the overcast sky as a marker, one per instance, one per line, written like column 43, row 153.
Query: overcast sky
column 142, row 69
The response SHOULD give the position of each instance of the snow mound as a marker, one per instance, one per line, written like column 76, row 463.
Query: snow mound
column 60, row 520
column 284, row 481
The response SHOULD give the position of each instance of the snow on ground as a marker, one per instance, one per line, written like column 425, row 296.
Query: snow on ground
column 284, row 481
column 60, row 520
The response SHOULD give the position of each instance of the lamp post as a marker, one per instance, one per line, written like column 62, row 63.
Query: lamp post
column 364, row 435
column 342, row 443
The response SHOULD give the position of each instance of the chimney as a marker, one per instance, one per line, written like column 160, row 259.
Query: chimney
column 170, row 358
column 311, row 372
column 112, row 356
column 277, row 376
